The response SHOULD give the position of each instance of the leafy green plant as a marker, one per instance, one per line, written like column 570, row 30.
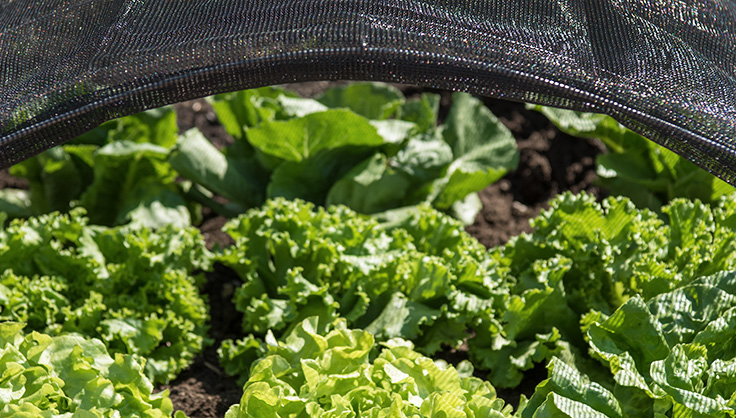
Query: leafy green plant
column 119, row 172
column 671, row 356
column 363, row 145
column 332, row 373
column 417, row 276
column 130, row 287
column 70, row 375
column 584, row 256
column 343, row 148
column 649, row 174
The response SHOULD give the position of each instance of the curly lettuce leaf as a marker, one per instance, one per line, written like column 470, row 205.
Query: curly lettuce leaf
column 237, row 356
column 131, row 288
column 584, row 256
column 675, row 351
column 567, row 393
column 671, row 356
column 330, row 373
column 71, row 375
column 426, row 280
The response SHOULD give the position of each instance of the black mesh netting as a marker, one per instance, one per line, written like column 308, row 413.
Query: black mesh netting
column 665, row 68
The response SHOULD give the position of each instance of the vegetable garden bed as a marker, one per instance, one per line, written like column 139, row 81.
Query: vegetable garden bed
column 550, row 163
column 318, row 307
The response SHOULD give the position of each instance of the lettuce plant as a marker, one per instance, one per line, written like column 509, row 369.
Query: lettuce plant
column 649, row 174
column 133, row 289
column 417, row 276
column 584, row 256
column 671, row 356
column 362, row 145
column 335, row 374
column 119, row 172
column 72, row 376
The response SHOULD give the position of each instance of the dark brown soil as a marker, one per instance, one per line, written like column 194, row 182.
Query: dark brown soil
column 204, row 390
column 198, row 113
column 8, row 181
column 550, row 163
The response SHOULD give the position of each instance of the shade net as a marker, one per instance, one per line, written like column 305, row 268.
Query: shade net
column 664, row 68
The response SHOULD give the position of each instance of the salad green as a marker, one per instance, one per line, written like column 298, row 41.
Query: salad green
column 671, row 356
column 417, row 276
column 584, row 256
column 365, row 269
column 334, row 373
column 132, row 288
column 119, row 172
column 72, row 376
column 364, row 145
column 342, row 148
column 647, row 173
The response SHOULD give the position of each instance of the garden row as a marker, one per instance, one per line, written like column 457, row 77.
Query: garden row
column 355, row 269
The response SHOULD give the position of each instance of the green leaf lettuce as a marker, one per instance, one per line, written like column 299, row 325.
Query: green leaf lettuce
column 671, row 356
column 418, row 276
column 587, row 256
column 332, row 374
column 132, row 288
column 72, row 376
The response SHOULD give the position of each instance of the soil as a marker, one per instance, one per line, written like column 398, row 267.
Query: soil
column 550, row 163
column 204, row 390
column 8, row 181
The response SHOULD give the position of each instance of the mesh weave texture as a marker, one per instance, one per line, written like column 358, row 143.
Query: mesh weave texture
column 665, row 68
